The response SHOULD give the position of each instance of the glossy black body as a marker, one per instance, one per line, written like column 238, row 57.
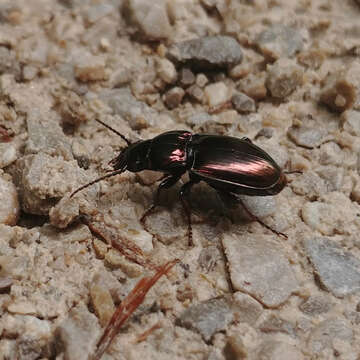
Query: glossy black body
column 227, row 164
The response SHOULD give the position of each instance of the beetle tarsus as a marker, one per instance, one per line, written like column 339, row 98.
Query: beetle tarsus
column 255, row 218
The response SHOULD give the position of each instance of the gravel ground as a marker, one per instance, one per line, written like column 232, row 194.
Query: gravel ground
column 285, row 74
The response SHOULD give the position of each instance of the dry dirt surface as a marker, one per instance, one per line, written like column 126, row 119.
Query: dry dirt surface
column 285, row 74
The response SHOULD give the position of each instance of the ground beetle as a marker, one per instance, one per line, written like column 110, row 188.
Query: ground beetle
column 230, row 165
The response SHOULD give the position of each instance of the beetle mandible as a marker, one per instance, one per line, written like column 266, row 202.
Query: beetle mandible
column 230, row 165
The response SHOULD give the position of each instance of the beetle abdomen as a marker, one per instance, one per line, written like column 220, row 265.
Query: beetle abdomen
column 224, row 161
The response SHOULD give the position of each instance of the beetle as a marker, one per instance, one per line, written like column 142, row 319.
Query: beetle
column 230, row 165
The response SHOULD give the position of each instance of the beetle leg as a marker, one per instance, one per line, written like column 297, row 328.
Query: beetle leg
column 255, row 218
column 184, row 196
column 167, row 181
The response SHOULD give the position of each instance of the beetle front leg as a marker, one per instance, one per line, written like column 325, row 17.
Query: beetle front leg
column 184, row 196
column 167, row 182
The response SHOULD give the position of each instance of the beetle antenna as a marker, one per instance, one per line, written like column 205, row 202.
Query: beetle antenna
column 113, row 173
column 114, row 131
column 293, row 172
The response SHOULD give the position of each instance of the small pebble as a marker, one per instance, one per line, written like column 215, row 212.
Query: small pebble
column 217, row 94
column 151, row 18
column 309, row 137
column 90, row 68
column 341, row 88
column 174, row 97
column 246, row 308
column 243, row 103
column 207, row 52
column 351, row 122
column 277, row 350
column 316, row 305
column 337, row 270
column 257, row 267
column 118, row 261
column 201, row 80
column 196, row 92
column 283, row 77
column 8, row 154
column 327, row 216
column 207, row 317
column 9, row 205
column 279, row 41
column 253, row 86
column 78, row 334
column 137, row 113
column 102, row 303
column 166, row 70
column 186, row 77
column 325, row 335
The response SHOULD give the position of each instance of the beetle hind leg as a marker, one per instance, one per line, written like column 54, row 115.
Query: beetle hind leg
column 184, row 197
column 255, row 218
column 229, row 197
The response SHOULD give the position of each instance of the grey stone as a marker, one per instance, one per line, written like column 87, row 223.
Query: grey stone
column 207, row 53
column 307, row 136
column 351, row 122
column 208, row 258
column 279, row 41
column 78, row 334
column 278, row 350
column 196, row 93
column 151, row 18
column 246, row 309
column 258, row 268
column 323, row 335
column 337, row 270
column 333, row 177
column 8, row 154
column 42, row 180
column 260, row 206
column 9, row 62
column 208, row 317
column 253, row 85
column 315, row 305
column 243, row 103
column 309, row 184
column 46, row 136
column 137, row 113
column 335, row 214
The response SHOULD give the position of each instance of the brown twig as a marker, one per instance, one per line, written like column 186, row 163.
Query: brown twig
column 145, row 334
column 128, row 306
column 127, row 248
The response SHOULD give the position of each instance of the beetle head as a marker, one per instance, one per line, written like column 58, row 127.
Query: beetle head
column 133, row 158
